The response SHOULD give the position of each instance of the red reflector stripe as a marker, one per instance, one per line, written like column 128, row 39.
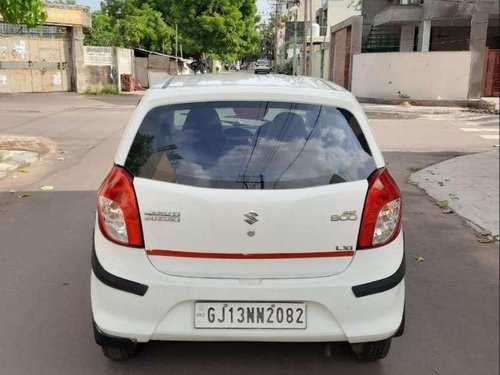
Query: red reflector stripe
column 191, row 254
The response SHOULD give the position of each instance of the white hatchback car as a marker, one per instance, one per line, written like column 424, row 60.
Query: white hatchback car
column 262, row 66
column 248, row 208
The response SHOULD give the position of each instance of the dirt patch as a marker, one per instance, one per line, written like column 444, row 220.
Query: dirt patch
column 39, row 145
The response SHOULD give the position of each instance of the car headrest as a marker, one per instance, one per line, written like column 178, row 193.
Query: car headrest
column 285, row 126
column 202, row 119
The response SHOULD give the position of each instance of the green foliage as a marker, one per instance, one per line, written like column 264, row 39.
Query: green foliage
column 443, row 204
column 28, row 12
column 286, row 67
column 224, row 29
column 110, row 90
column 106, row 90
column 267, row 32
column 145, row 28
column 141, row 150
column 102, row 33
column 121, row 24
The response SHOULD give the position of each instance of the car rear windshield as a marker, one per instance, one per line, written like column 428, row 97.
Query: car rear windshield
column 250, row 145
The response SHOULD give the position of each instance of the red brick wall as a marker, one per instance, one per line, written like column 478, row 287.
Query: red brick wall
column 341, row 56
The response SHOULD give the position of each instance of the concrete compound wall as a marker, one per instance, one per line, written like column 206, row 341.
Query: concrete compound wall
column 419, row 75
column 104, row 65
column 125, row 59
column 99, row 62
column 316, row 64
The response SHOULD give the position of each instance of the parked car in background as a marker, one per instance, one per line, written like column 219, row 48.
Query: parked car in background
column 248, row 209
column 262, row 66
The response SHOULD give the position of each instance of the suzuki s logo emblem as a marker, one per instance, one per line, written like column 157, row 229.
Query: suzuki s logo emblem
column 251, row 217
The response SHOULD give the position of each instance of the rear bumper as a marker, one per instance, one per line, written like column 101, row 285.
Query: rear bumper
column 165, row 311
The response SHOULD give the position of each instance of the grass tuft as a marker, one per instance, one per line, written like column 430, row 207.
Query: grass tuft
column 105, row 90
column 444, row 204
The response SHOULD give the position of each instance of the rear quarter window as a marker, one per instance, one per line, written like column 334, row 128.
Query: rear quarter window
column 250, row 145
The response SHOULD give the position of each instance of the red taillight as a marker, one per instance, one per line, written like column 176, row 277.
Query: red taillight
column 117, row 210
column 381, row 219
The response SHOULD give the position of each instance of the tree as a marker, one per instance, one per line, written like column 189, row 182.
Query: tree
column 146, row 28
column 102, row 33
column 267, row 31
column 119, row 9
column 28, row 12
column 225, row 29
column 121, row 24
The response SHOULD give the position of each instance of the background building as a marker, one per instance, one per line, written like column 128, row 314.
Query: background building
column 411, row 49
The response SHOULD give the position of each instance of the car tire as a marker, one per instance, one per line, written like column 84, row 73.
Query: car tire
column 371, row 351
column 119, row 353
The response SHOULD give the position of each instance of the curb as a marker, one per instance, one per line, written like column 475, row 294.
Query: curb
column 477, row 105
column 467, row 185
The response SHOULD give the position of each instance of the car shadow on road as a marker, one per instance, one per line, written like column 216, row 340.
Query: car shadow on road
column 248, row 358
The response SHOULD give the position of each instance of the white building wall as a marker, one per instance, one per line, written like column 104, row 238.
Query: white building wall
column 339, row 11
column 424, row 75
column 98, row 56
column 96, row 59
column 125, row 60
column 316, row 4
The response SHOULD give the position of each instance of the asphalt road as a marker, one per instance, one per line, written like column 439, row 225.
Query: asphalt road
column 45, row 241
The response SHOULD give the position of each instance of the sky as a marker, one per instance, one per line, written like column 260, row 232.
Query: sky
column 264, row 6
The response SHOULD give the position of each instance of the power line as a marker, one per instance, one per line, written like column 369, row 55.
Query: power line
column 302, row 149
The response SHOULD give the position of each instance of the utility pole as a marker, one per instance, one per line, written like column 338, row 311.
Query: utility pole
column 276, row 36
column 176, row 46
column 311, row 39
column 304, row 42
column 296, row 15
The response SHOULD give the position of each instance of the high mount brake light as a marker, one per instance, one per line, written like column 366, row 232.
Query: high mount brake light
column 117, row 210
column 381, row 219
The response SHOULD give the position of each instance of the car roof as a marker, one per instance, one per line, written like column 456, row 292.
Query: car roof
column 247, row 80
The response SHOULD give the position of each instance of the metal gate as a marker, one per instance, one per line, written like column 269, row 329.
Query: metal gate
column 491, row 73
column 34, row 60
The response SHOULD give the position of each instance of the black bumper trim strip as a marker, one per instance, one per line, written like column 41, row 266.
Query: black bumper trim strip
column 114, row 281
column 381, row 285
column 103, row 339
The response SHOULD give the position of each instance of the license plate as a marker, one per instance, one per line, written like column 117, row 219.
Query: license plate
column 248, row 315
